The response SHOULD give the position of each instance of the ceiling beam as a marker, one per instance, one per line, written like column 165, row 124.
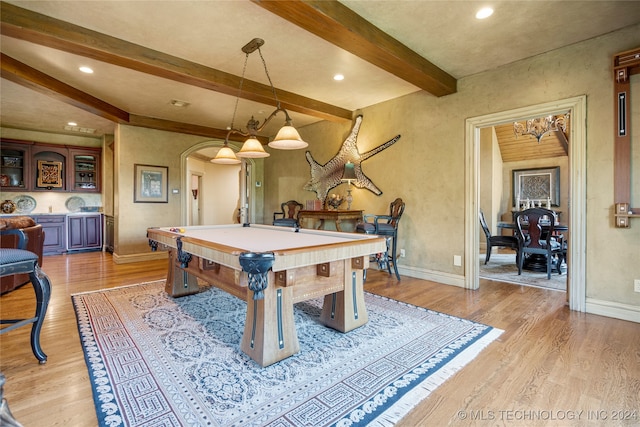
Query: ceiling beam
column 24, row 75
column 188, row 128
column 36, row 28
column 339, row 25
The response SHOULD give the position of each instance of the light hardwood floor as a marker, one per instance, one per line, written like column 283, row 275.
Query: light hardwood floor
column 551, row 366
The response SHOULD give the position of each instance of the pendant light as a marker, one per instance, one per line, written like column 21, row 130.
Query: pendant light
column 287, row 138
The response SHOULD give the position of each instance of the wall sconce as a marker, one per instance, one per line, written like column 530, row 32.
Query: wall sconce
column 348, row 176
column 195, row 193
column 287, row 137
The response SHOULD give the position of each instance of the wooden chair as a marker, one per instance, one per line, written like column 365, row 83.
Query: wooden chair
column 498, row 241
column 18, row 261
column 534, row 230
column 289, row 215
column 387, row 226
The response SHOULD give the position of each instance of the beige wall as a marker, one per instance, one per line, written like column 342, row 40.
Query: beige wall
column 426, row 167
column 152, row 147
column 507, row 182
column 219, row 193
column 493, row 192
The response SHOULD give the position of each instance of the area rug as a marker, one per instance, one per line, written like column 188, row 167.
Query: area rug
column 156, row 360
column 503, row 268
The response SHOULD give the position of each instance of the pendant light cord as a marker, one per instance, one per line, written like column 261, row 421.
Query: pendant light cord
column 235, row 110
column 266, row 71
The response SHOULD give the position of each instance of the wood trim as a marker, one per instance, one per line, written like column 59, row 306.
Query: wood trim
column 24, row 75
column 187, row 128
column 625, row 64
column 337, row 24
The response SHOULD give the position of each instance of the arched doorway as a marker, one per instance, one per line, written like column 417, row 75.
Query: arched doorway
column 224, row 192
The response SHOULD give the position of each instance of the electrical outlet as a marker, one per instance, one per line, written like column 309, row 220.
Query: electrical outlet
column 402, row 253
column 636, row 285
column 457, row 260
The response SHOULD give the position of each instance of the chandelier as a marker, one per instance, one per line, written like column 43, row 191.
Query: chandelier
column 541, row 126
column 287, row 137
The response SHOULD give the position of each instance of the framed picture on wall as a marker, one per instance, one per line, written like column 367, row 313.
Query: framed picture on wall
column 150, row 184
column 49, row 174
column 536, row 185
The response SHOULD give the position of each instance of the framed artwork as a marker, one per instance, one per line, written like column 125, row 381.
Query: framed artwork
column 49, row 174
column 150, row 184
column 536, row 185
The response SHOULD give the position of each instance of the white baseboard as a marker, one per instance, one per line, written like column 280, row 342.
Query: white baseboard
column 613, row 309
column 434, row 276
column 148, row 256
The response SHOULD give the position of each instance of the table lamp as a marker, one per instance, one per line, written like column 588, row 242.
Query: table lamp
column 348, row 176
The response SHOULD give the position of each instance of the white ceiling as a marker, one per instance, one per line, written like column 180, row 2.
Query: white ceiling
column 212, row 33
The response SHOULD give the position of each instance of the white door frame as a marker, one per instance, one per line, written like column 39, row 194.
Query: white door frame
column 576, row 269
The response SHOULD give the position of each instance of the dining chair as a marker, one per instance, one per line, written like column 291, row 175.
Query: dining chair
column 537, row 243
column 387, row 226
column 289, row 215
column 18, row 261
column 497, row 241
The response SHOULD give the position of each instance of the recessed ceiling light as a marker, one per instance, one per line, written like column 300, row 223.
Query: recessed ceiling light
column 86, row 70
column 338, row 77
column 178, row 103
column 72, row 124
column 483, row 13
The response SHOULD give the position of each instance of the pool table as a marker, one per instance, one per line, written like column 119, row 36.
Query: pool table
column 300, row 264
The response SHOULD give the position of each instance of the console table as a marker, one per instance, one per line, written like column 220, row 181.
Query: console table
column 339, row 220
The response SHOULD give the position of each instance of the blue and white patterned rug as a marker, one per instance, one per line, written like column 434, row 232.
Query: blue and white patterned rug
column 156, row 360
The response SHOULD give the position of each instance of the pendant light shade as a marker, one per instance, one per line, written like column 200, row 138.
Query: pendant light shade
column 252, row 148
column 225, row 156
column 288, row 138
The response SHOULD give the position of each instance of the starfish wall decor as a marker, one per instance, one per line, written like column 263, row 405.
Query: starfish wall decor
column 327, row 176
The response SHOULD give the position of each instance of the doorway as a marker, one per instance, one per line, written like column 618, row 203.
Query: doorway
column 194, row 201
column 518, row 170
column 224, row 194
column 577, row 198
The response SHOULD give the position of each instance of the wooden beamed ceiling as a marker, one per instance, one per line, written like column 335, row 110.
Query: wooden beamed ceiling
column 340, row 26
column 525, row 147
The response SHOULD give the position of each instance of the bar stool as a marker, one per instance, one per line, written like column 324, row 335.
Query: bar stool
column 18, row 261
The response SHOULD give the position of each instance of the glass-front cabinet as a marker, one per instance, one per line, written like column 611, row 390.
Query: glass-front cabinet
column 85, row 170
column 14, row 167
column 30, row 166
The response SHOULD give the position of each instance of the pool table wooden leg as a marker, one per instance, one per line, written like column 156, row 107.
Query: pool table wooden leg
column 346, row 310
column 269, row 330
column 179, row 281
